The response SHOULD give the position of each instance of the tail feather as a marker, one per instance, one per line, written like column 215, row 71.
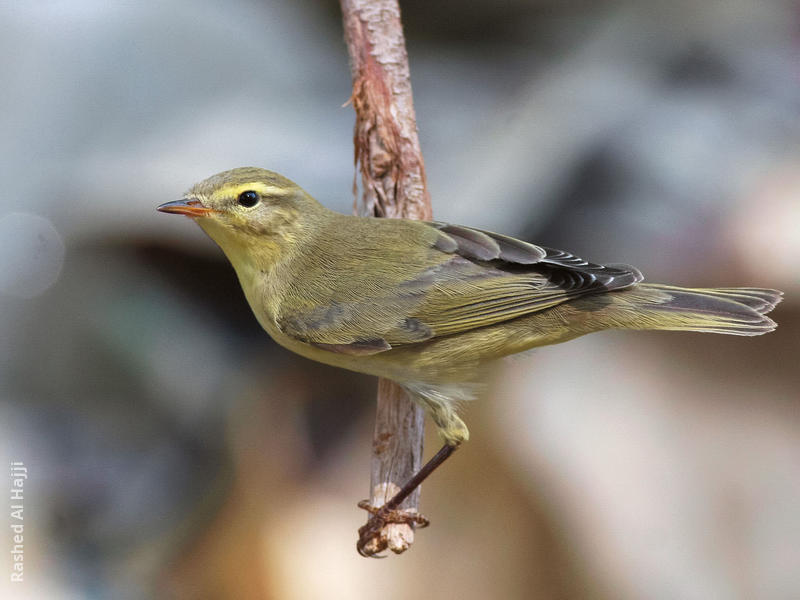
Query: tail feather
column 734, row 311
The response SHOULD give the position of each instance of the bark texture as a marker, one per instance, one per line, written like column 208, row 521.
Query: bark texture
column 389, row 160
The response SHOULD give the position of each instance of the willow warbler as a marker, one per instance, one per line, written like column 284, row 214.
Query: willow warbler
column 430, row 305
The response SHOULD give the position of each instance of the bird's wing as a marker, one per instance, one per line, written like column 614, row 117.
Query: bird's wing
column 451, row 279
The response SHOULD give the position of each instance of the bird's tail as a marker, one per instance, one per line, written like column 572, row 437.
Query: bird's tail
column 734, row 311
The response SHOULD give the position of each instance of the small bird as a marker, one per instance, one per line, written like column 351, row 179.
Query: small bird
column 430, row 305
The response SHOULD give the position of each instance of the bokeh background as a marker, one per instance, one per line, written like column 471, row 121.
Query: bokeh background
column 175, row 451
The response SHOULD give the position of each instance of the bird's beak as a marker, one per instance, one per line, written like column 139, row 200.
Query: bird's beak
column 188, row 207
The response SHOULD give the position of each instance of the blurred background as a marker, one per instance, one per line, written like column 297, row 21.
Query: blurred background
column 174, row 451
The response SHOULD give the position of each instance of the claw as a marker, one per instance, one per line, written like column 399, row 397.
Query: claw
column 364, row 504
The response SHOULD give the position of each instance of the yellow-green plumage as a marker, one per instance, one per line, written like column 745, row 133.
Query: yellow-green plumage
column 428, row 305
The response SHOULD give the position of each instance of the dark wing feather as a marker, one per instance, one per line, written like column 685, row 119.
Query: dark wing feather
column 485, row 245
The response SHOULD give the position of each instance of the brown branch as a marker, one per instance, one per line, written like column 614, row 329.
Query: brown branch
column 389, row 159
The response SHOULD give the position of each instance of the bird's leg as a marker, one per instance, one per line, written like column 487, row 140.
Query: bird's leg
column 453, row 430
column 388, row 513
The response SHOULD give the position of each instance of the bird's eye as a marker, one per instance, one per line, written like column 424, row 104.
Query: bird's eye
column 248, row 199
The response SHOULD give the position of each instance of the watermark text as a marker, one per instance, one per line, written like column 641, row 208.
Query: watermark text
column 19, row 476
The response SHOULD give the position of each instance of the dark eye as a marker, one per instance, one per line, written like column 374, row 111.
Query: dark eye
column 248, row 199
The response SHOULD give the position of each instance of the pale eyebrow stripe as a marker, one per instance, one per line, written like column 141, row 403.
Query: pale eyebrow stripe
column 256, row 186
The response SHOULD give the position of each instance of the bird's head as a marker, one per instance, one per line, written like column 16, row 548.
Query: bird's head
column 253, row 214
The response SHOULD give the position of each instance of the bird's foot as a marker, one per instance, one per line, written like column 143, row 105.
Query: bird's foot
column 372, row 537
